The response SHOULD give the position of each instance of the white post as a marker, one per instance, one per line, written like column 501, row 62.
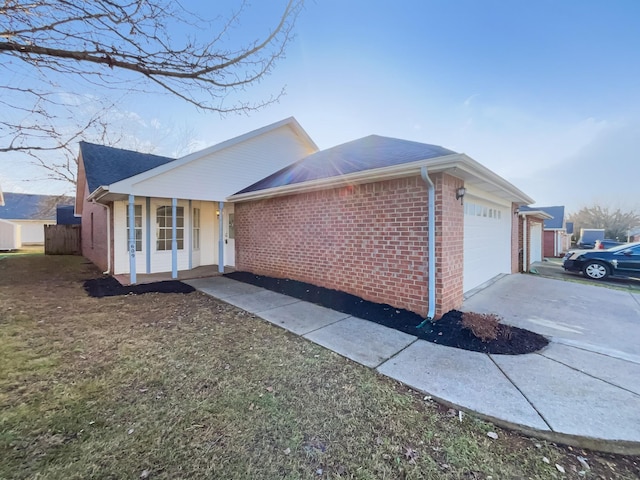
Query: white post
column 221, row 238
column 132, row 240
column 174, row 240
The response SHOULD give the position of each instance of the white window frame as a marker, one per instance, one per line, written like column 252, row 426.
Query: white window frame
column 164, row 228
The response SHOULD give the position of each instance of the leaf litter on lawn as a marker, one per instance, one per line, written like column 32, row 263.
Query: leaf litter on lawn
column 183, row 370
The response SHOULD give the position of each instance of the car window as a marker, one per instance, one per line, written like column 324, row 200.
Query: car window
column 624, row 247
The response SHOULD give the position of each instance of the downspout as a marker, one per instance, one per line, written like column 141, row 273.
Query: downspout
column 431, row 259
column 524, row 243
column 108, row 270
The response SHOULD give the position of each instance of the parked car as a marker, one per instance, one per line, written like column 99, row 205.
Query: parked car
column 603, row 244
column 620, row 261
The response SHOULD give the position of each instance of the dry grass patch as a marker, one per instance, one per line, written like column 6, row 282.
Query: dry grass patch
column 185, row 386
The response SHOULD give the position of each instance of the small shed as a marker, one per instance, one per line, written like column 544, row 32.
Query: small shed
column 10, row 235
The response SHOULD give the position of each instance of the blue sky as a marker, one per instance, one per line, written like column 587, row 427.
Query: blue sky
column 545, row 93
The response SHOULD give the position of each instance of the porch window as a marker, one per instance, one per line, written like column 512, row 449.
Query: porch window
column 137, row 229
column 164, row 227
column 196, row 229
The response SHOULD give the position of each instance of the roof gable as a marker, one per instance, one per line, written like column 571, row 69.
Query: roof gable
column 26, row 206
column 227, row 166
column 367, row 153
column 106, row 165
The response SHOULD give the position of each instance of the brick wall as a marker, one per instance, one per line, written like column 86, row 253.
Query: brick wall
column 94, row 234
column 525, row 243
column 369, row 240
column 516, row 240
column 449, row 243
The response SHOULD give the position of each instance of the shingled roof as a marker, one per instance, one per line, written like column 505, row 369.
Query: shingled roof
column 358, row 155
column 106, row 165
column 556, row 211
column 27, row 206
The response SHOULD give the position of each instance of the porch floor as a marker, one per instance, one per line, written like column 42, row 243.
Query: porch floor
column 198, row 272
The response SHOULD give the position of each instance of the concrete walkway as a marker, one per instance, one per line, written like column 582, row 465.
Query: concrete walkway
column 576, row 391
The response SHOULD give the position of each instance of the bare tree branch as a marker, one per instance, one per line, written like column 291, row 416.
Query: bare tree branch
column 123, row 45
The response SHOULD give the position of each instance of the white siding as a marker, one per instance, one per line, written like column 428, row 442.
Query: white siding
column 10, row 235
column 32, row 231
column 225, row 172
column 487, row 239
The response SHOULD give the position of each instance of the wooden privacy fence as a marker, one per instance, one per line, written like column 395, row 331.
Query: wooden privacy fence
column 62, row 240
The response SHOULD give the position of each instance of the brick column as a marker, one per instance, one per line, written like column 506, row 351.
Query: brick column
column 449, row 243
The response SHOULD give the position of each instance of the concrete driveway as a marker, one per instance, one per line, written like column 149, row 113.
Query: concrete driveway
column 555, row 394
column 589, row 317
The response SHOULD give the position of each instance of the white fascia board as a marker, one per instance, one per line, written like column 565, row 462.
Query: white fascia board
column 537, row 213
column 448, row 163
column 126, row 186
column 483, row 173
column 98, row 193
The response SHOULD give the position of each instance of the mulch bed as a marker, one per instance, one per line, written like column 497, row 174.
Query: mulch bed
column 110, row 287
column 447, row 330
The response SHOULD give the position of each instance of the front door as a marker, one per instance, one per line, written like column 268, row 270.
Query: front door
column 229, row 236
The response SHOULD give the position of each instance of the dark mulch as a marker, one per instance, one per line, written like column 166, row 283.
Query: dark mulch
column 110, row 287
column 447, row 330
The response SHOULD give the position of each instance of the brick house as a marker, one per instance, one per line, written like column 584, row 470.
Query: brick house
column 531, row 241
column 356, row 218
column 556, row 239
column 393, row 221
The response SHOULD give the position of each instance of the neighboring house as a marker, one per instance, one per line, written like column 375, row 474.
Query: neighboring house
column 179, row 219
column 531, row 241
column 359, row 217
column 31, row 212
column 634, row 235
column 556, row 237
column 356, row 218
column 65, row 215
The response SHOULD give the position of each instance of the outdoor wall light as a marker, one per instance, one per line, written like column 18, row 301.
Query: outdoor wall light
column 516, row 211
column 460, row 194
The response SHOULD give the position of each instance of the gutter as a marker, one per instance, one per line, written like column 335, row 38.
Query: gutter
column 525, row 246
column 431, row 258
column 98, row 193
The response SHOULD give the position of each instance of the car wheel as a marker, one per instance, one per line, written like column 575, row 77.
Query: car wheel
column 596, row 270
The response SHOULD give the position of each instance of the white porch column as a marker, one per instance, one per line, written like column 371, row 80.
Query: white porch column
column 221, row 238
column 132, row 240
column 174, row 240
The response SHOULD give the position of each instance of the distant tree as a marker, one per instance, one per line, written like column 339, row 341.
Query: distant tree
column 125, row 46
column 616, row 223
column 49, row 203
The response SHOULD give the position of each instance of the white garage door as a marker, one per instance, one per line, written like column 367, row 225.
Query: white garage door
column 487, row 241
